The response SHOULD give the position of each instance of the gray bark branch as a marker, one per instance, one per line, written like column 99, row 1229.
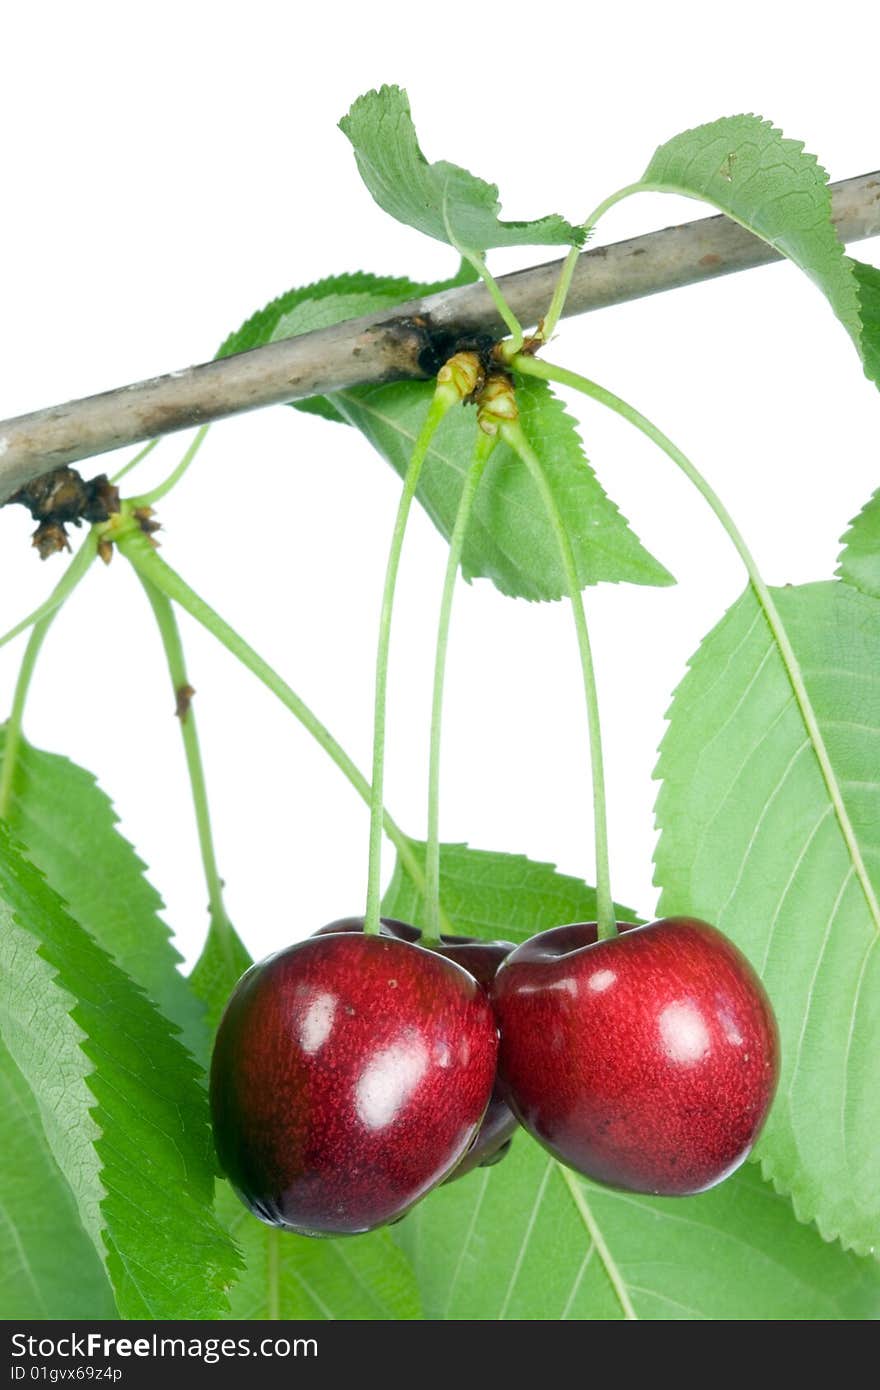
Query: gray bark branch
column 384, row 348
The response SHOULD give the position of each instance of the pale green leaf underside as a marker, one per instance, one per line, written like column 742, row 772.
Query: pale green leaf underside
column 859, row 561
column 750, row 841
column 496, row 896
column 442, row 200
column 509, row 538
column 356, row 1279
column 70, row 829
column 511, row 1242
column 122, row 1105
column 868, row 282
column 48, row 1266
column 767, row 183
column 223, row 960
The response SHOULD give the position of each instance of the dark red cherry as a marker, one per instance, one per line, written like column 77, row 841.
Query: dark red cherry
column 349, row 1077
column 388, row 926
column 648, row 1061
column 482, row 960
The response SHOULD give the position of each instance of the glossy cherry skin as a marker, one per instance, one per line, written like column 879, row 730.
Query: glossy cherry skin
column 647, row 1061
column 482, row 960
column 349, row 1076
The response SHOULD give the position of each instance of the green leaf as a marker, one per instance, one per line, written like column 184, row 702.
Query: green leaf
column 223, row 961
column 325, row 303
column 767, row 183
column 441, row 200
column 290, row 1276
column 750, row 840
column 860, row 558
column 121, row 1102
column 70, row 828
column 509, row 539
column 868, row 282
column 321, row 305
column 48, row 1265
column 496, row 896
column 530, row 1240
column 330, row 301
column 355, row 1279
column 299, row 310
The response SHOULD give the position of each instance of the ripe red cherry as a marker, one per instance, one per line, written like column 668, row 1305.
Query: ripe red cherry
column 350, row 1074
column 648, row 1061
column 482, row 960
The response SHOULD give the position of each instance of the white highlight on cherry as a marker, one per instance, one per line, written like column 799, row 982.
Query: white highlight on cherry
column 684, row 1033
column 389, row 1081
column 602, row 980
column 317, row 1023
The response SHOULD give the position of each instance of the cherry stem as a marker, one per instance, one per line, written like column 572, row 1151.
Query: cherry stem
column 512, row 433
column 483, row 448
column 12, row 742
column 169, row 632
column 41, row 620
column 133, row 462
column 563, row 284
column 62, row 591
column 148, row 499
column 150, row 565
column 505, row 312
column 444, row 397
column 546, row 371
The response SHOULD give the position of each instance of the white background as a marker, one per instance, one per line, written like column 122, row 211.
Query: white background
column 167, row 170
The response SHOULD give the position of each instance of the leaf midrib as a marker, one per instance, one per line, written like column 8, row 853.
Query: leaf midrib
column 594, row 1230
column 795, row 674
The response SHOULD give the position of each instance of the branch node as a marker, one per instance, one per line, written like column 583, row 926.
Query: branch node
column 62, row 497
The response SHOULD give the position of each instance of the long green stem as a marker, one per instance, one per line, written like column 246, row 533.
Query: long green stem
column 169, row 632
column 563, row 284
column 16, row 714
column 133, row 463
column 63, row 589
column 506, row 313
column 42, row 621
column 152, row 567
column 147, row 499
column 444, row 397
column 548, row 372
column 484, row 446
column 513, row 435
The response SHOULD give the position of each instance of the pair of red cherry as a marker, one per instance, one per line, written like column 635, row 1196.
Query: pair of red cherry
column 353, row 1073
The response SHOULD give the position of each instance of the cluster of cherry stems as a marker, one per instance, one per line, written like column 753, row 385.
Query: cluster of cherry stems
column 356, row 1070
